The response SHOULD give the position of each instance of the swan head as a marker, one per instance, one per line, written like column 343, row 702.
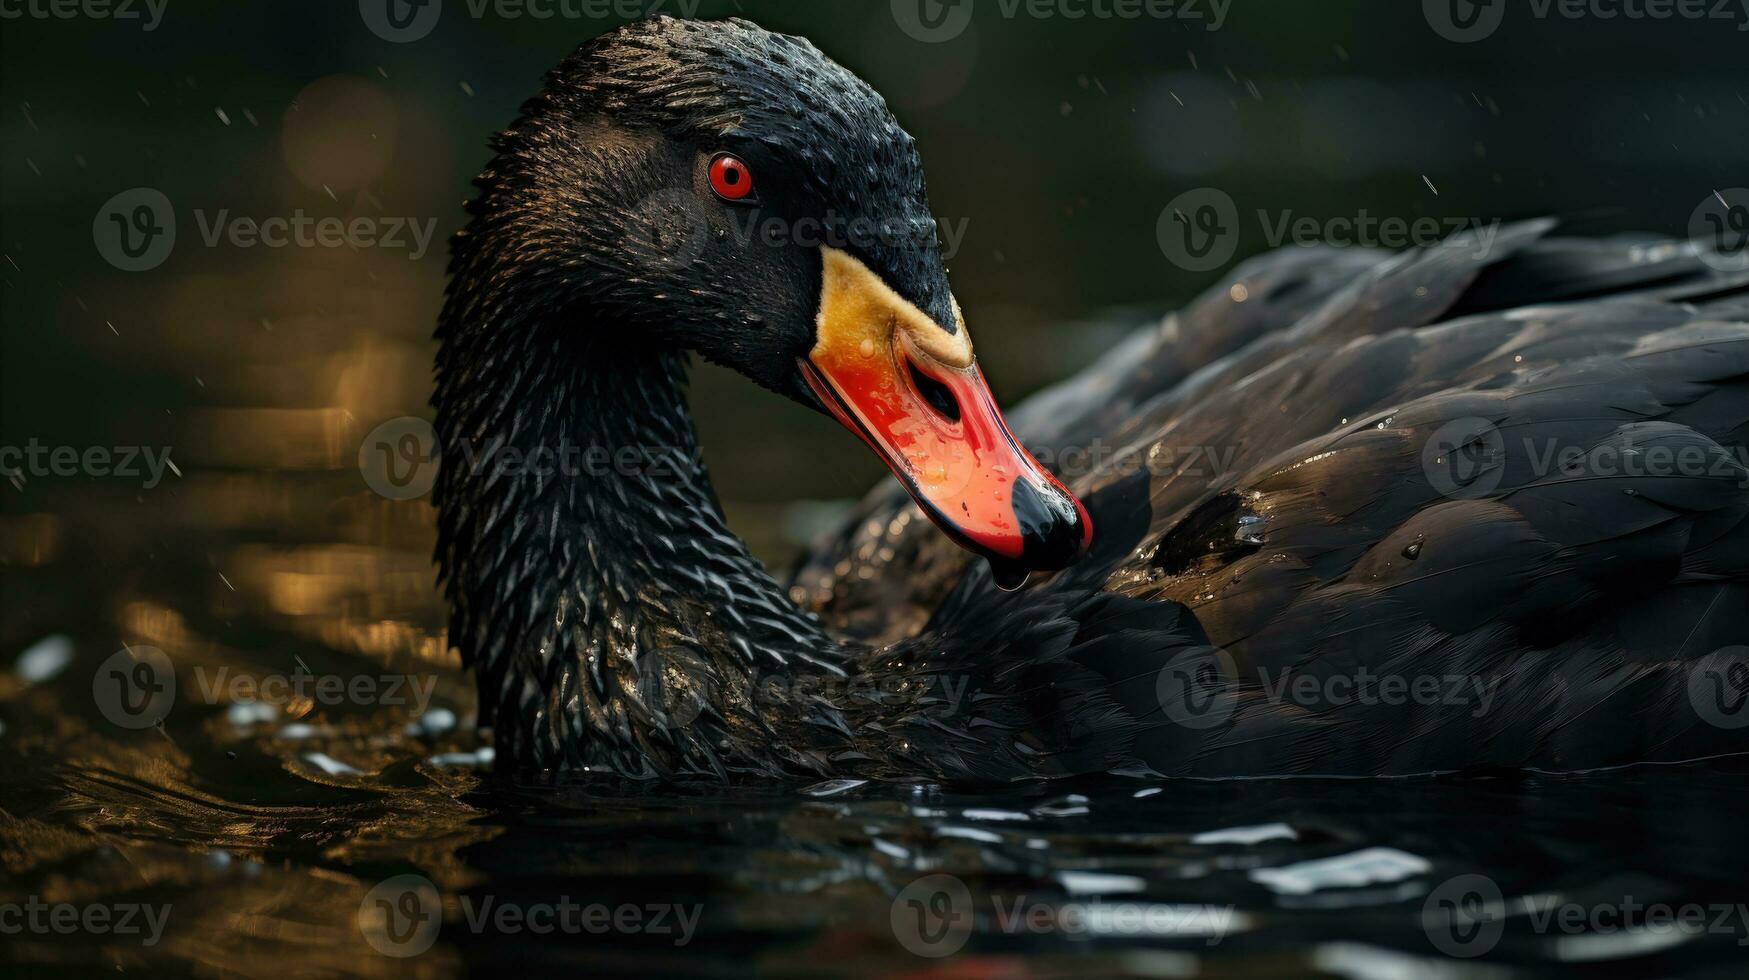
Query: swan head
column 713, row 187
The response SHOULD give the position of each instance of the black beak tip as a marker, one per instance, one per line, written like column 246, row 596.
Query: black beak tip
column 1052, row 528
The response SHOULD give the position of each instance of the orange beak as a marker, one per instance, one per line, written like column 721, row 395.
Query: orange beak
column 913, row 392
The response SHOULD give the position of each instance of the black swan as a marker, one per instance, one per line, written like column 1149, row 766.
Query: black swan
column 1389, row 575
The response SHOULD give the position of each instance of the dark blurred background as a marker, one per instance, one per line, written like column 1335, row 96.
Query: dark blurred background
column 1056, row 142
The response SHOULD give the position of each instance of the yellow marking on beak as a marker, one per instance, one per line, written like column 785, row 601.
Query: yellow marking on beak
column 858, row 311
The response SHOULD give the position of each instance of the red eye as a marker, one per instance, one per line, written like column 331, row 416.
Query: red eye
column 730, row 178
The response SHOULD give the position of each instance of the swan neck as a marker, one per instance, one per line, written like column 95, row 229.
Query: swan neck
column 594, row 582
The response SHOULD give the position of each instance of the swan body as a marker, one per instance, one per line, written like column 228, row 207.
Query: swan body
column 1395, row 567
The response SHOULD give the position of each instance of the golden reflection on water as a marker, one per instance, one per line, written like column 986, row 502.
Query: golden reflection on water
column 29, row 540
column 264, row 554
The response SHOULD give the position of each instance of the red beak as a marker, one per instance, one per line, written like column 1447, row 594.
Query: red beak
column 913, row 392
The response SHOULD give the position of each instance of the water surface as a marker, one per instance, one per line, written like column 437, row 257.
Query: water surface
column 274, row 828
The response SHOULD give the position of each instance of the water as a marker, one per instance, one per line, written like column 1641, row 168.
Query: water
column 317, row 836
